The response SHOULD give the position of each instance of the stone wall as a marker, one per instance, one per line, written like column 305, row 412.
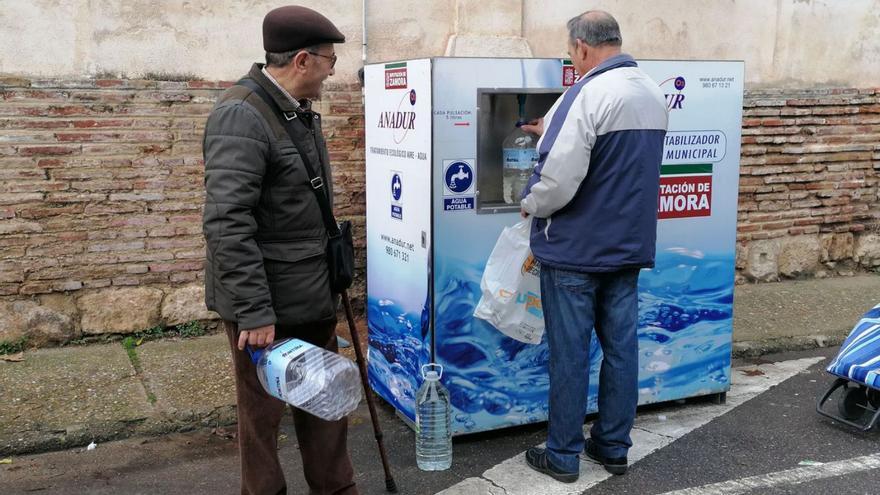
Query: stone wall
column 808, row 201
column 784, row 43
column 101, row 190
column 101, row 193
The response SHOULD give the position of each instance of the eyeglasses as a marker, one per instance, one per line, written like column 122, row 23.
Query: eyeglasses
column 332, row 58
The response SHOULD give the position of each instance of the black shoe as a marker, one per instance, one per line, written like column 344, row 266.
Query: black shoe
column 537, row 459
column 614, row 465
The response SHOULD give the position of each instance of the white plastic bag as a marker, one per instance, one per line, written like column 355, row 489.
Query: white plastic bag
column 511, row 287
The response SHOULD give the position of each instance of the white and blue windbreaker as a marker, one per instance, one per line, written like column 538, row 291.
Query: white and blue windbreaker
column 595, row 188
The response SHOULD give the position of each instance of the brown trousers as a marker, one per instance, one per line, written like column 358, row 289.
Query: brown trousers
column 322, row 444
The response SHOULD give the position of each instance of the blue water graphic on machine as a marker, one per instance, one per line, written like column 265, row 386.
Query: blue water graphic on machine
column 685, row 326
column 859, row 359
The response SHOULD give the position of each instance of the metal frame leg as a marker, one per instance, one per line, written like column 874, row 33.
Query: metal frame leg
column 842, row 382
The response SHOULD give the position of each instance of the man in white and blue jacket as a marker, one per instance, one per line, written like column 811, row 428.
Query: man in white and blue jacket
column 593, row 196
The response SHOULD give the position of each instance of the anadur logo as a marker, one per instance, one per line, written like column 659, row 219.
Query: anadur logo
column 672, row 90
column 401, row 120
column 395, row 76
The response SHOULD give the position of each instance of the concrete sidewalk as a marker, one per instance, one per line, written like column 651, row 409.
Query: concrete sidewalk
column 66, row 397
column 70, row 396
column 800, row 314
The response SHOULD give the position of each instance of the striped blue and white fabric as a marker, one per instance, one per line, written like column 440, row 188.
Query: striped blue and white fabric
column 859, row 356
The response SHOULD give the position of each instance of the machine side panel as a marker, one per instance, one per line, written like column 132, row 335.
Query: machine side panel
column 397, row 111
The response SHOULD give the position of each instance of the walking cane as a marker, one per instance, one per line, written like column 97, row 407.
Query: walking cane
column 390, row 485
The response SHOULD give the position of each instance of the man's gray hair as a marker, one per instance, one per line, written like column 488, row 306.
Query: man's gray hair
column 281, row 59
column 595, row 28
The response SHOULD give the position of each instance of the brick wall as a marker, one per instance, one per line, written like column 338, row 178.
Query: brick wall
column 101, row 184
column 101, row 193
column 808, row 202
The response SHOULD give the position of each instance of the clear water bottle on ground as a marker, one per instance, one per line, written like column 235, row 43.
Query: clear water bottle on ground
column 310, row 378
column 433, row 422
column 519, row 155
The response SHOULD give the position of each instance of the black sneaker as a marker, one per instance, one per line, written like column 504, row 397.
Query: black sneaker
column 614, row 465
column 537, row 459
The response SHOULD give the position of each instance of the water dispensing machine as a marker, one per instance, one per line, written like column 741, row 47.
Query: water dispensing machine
column 444, row 160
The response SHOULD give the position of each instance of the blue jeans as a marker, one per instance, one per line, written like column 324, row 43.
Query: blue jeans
column 574, row 303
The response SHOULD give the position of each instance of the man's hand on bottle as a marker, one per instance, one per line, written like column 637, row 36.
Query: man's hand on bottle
column 256, row 337
column 535, row 127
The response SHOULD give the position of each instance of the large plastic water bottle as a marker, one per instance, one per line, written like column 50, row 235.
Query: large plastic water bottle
column 519, row 155
column 310, row 378
column 433, row 422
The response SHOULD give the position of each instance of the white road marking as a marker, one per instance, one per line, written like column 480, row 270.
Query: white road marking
column 514, row 477
column 785, row 478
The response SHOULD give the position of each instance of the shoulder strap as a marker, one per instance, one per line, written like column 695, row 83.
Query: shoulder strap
column 315, row 180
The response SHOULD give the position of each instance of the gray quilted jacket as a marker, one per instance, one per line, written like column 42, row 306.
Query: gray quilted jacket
column 264, row 235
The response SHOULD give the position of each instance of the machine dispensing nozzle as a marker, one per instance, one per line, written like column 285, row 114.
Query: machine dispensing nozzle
column 521, row 99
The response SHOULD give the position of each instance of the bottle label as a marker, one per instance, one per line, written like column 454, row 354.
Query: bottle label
column 520, row 158
column 277, row 360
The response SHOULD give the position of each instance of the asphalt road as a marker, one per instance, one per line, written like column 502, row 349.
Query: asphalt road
column 774, row 432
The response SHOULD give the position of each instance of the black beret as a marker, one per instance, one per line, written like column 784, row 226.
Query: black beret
column 292, row 27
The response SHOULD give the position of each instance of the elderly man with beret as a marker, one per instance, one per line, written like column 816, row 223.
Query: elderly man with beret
column 266, row 271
